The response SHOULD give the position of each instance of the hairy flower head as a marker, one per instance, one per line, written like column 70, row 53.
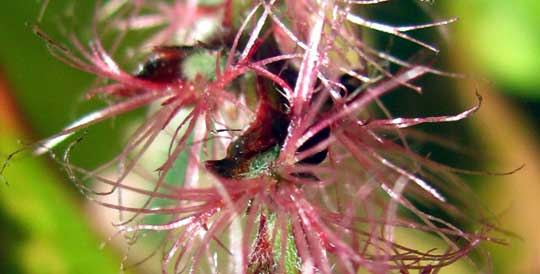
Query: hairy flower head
column 280, row 157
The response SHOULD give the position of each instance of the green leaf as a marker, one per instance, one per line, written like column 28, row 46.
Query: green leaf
column 293, row 263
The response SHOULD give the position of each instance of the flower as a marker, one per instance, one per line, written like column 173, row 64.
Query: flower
column 285, row 168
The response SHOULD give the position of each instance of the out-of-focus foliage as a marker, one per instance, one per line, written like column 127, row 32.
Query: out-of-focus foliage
column 499, row 41
column 503, row 38
column 42, row 227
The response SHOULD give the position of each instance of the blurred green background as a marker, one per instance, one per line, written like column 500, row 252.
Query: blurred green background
column 45, row 226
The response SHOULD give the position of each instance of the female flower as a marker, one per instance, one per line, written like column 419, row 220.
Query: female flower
column 269, row 118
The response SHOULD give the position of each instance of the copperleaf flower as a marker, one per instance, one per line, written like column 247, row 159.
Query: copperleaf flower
column 280, row 163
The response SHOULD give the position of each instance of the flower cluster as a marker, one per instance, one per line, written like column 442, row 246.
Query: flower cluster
column 279, row 156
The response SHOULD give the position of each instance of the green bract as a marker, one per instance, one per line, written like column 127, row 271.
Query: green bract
column 201, row 62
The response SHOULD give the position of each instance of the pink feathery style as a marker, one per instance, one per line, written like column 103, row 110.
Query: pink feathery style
column 266, row 148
